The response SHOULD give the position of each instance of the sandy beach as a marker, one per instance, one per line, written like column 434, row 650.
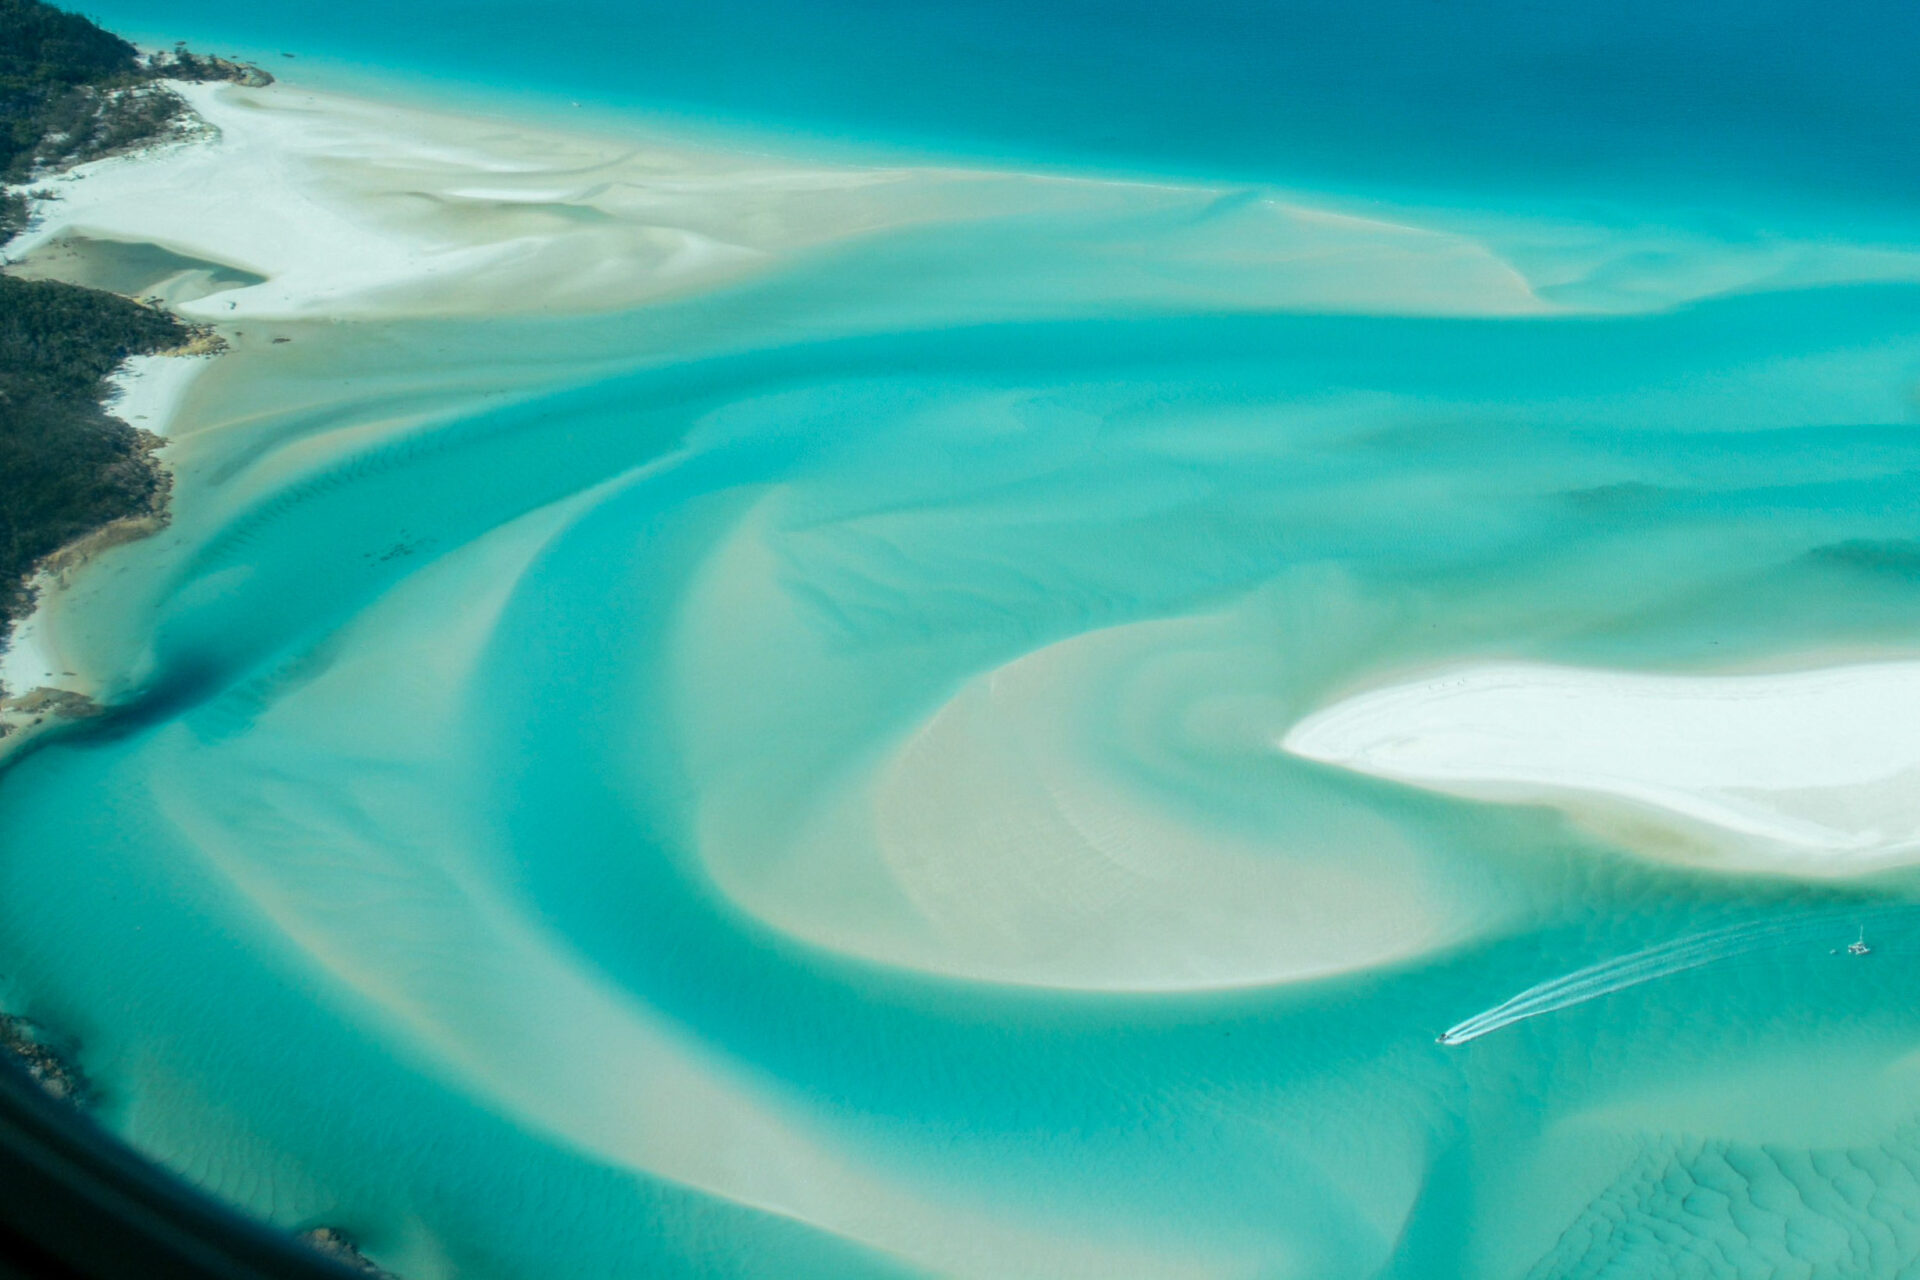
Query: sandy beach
column 350, row 207
column 148, row 390
column 1810, row 772
column 147, row 393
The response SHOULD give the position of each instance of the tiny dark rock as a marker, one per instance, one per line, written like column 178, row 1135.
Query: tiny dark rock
column 28, row 1043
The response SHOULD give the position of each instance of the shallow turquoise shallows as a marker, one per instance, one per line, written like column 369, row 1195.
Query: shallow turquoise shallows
column 600, row 822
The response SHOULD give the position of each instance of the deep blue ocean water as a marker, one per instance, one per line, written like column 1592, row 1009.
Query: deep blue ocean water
column 781, row 782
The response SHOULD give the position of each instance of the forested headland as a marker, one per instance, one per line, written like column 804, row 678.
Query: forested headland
column 72, row 92
column 66, row 465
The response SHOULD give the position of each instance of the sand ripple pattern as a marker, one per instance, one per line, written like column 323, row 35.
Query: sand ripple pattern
column 783, row 780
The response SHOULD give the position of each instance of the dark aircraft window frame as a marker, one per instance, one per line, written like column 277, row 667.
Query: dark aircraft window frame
column 76, row 1203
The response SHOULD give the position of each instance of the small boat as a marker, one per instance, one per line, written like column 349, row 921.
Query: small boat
column 1859, row 946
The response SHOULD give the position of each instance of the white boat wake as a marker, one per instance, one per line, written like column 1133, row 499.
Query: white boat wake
column 1691, row 952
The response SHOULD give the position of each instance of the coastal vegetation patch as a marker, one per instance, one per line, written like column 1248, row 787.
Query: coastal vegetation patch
column 68, row 467
column 71, row 92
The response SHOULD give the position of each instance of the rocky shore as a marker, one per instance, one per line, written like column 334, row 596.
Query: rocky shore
column 48, row 1062
column 339, row 1246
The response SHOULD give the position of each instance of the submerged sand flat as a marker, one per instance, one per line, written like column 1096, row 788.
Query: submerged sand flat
column 712, row 713
column 1810, row 771
column 1020, row 835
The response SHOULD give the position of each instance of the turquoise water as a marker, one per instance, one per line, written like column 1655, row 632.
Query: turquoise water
column 1800, row 100
column 782, row 782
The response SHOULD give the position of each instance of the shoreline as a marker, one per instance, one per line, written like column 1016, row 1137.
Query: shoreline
column 39, row 687
column 90, row 360
column 348, row 208
column 147, row 391
column 266, row 202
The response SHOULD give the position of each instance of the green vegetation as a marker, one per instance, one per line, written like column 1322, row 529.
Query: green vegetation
column 40, row 45
column 71, row 92
column 56, row 71
column 66, row 466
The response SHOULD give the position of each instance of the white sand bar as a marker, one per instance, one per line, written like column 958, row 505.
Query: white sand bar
column 1812, row 771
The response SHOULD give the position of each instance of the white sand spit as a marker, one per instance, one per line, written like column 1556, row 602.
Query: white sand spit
column 355, row 208
column 1815, row 772
column 351, row 207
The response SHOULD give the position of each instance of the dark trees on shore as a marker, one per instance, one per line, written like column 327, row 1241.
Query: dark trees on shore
column 66, row 465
